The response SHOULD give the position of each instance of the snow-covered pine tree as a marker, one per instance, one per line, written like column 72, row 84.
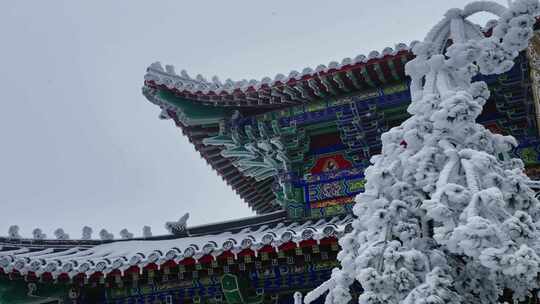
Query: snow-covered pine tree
column 446, row 216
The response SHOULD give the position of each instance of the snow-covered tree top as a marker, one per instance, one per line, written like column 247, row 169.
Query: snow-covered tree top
column 447, row 216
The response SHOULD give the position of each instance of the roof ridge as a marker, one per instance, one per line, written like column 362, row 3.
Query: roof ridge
column 167, row 76
column 183, row 82
column 249, row 221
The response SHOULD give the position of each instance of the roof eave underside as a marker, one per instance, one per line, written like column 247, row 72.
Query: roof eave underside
column 257, row 194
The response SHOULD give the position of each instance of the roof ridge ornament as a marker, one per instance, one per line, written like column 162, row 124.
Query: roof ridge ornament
column 184, row 84
column 178, row 228
column 121, row 255
column 13, row 232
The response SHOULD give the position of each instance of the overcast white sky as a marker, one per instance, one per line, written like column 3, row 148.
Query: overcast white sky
column 79, row 144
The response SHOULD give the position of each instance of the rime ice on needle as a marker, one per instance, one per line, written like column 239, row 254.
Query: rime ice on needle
column 447, row 216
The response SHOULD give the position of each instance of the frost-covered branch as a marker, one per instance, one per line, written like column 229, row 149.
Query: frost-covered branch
column 448, row 216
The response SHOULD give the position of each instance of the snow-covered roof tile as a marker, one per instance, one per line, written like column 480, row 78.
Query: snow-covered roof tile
column 199, row 87
column 120, row 255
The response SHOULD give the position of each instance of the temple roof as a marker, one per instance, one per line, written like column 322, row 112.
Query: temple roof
column 335, row 79
column 205, row 243
column 198, row 105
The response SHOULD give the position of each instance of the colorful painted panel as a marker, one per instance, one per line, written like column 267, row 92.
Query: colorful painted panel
column 278, row 279
column 341, row 206
column 330, row 163
column 333, row 139
column 332, row 202
column 334, row 189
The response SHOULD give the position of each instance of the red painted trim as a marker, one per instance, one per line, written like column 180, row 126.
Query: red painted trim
column 337, row 160
column 94, row 277
column 151, row 266
column 267, row 249
column 291, row 82
column 31, row 276
column 79, row 278
column 225, row 255
column 46, row 276
column 206, row 259
column 307, row 243
column 287, row 246
column 187, row 261
column 114, row 273
column 328, row 240
column 169, row 263
column 63, row 277
column 132, row 269
column 246, row 252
